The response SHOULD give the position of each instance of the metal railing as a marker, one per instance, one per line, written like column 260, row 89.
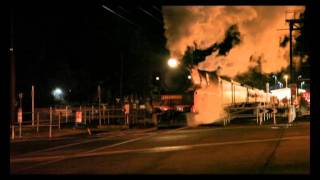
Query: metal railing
column 65, row 117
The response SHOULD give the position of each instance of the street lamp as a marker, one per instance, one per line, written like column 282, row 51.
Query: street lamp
column 302, row 83
column 275, row 81
column 286, row 78
column 57, row 94
column 299, row 77
column 173, row 63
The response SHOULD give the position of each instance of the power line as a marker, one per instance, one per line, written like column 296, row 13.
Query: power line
column 123, row 9
column 110, row 10
column 154, row 7
column 150, row 14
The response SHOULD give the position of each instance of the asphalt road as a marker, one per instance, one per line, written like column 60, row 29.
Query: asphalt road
column 236, row 149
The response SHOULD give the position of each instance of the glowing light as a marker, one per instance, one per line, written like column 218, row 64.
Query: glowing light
column 157, row 78
column 281, row 93
column 286, row 78
column 57, row 94
column 284, row 93
column 189, row 76
column 172, row 63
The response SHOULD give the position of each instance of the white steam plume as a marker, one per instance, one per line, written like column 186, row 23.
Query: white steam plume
column 259, row 27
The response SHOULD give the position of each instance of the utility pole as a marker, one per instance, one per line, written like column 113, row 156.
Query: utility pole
column 32, row 104
column 99, row 97
column 292, row 22
column 20, row 98
column 121, row 75
column 12, row 72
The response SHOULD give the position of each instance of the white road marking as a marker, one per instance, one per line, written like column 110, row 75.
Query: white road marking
column 68, row 145
column 111, row 135
column 133, row 140
column 63, row 157
column 114, row 145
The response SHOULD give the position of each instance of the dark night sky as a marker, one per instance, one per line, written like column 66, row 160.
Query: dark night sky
column 79, row 46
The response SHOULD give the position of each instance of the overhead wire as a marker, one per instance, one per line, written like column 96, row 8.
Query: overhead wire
column 148, row 13
column 122, row 17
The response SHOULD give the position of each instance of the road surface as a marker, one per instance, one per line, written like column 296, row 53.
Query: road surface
column 236, row 149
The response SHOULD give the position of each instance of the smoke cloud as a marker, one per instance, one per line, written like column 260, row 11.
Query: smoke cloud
column 193, row 55
column 232, row 38
column 253, row 33
column 284, row 41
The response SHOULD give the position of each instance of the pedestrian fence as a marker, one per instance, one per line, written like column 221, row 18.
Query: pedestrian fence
column 56, row 118
column 262, row 114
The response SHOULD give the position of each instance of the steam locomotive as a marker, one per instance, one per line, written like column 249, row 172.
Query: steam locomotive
column 227, row 92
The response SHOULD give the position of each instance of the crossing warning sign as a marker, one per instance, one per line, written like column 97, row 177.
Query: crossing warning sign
column 78, row 116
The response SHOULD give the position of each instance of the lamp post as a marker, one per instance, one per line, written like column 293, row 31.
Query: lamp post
column 32, row 104
column 158, row 85
column 302, row 83
column 12, row 70
column 275, row 81
column 99, row 98
column 286, row 78
column 299, row 77
column 20, row 97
